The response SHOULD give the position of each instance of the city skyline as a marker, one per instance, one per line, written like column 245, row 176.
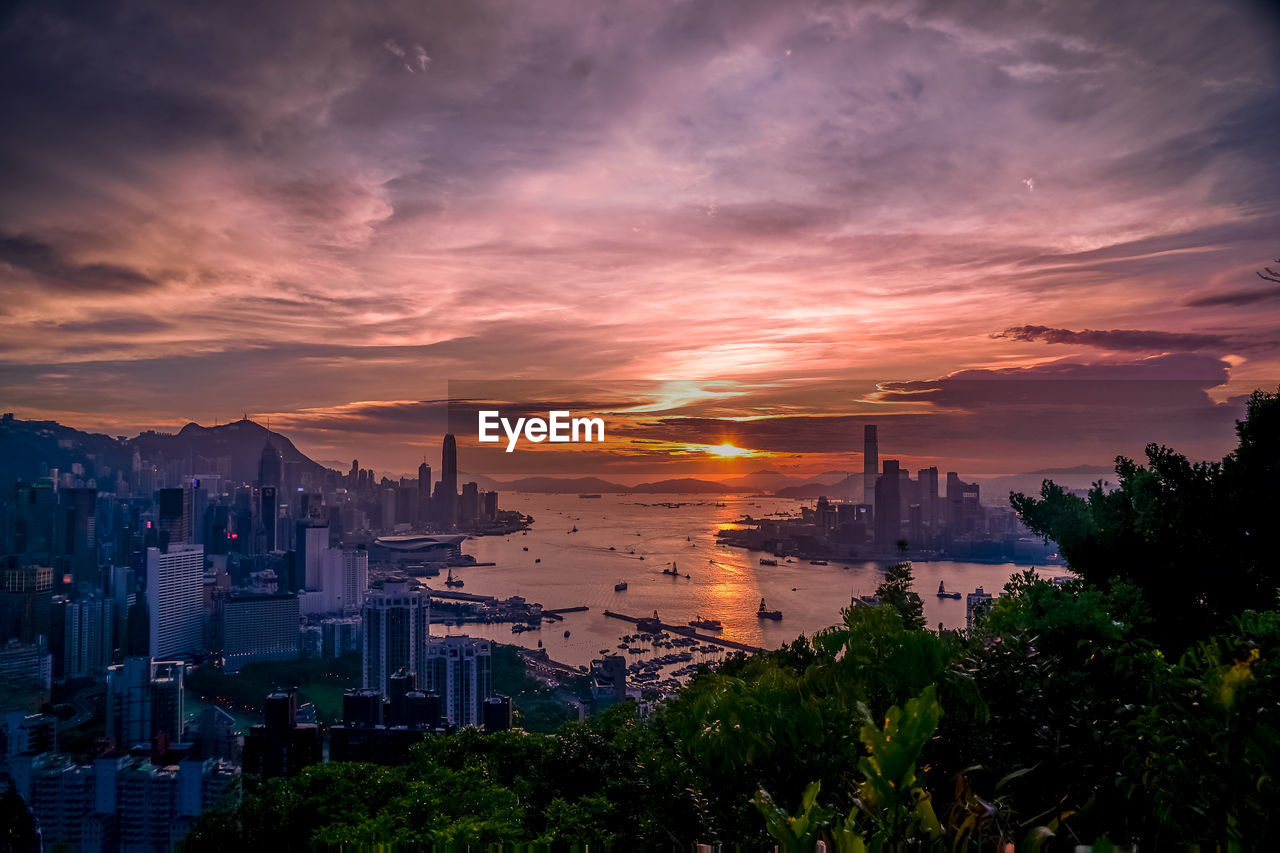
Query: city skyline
column 322, row 224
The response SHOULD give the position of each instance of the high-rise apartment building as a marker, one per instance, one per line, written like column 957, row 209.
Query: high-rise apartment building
column 175, row 589
column 395, row 622
column 460, row 671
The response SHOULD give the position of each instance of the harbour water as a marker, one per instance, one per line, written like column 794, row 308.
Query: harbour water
column 725, row 583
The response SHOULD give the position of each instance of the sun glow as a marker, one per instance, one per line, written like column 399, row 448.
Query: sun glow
column 727, row 451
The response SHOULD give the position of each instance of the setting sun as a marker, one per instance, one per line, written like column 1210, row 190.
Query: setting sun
column 728, row 451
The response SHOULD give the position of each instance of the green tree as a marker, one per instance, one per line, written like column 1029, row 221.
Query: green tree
column 896, row 591
column 1195, row 538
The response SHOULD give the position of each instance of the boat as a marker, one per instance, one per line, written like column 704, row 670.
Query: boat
column 452, row 581
column 721, row 505
column 709, row 624
column 767, row 562
column 537, row 559
column 526, row 547
column 942, row 591
column 611, row 548
column 575, row 529
column 588, row 496
column 566, row 633
column 817, row 562
column 620, row 586
column 765, row 613
column 674, row 571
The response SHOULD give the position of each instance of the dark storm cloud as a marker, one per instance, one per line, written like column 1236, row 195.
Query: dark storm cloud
column 1117, row 339
column 55, row 271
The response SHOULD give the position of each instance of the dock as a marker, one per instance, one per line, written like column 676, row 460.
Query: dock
column 688, row 631
column 449, row 595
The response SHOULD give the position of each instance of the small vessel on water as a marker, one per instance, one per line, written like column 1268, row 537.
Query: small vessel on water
column 620, row 586
column 767, row 562
column 588, row 496
column 942, row 591
column 566, row 633
column 817, row 562
column 575, row 529
column 526, row 547
column 765, row 613
column 709, row 624
column 452, row 581
column 537, row 559
column 674, row 571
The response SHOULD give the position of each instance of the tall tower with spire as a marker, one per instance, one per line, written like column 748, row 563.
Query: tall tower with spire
column 447, row 494
column 270, row 472
column 424, row 492
column 870, row 464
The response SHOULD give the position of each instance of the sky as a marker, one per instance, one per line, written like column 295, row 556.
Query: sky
column 325, row 214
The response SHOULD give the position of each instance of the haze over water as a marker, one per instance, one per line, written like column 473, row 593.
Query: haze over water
column 726, row 583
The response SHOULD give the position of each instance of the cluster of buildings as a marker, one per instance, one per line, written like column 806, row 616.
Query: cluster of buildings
column 109, row 597
column 923, row 516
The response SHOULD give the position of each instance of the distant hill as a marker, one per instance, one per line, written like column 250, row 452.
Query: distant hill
column 684, row 486
column 242, row 441
column 850, row 488
column 558, row 486
column 28, row 449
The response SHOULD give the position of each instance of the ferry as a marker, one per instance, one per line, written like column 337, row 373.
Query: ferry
column 620, row 586
column 942, row 591
column 767, row 562
column 709, row 624
column 765, row 613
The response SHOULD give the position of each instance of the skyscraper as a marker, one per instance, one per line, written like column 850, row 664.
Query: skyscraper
column 424, row 493
column 270, row 466
column 929, row 495
column 77, row 532
column 870, row 464
column 259, row 627
column 460, row 671
column 448, row 511
column 144, row 700
column 312, row 541
column 84, row 629
column 175, row 515
column 344, row 579
column 175, row 584
column 395, row 633
column 888, row 518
